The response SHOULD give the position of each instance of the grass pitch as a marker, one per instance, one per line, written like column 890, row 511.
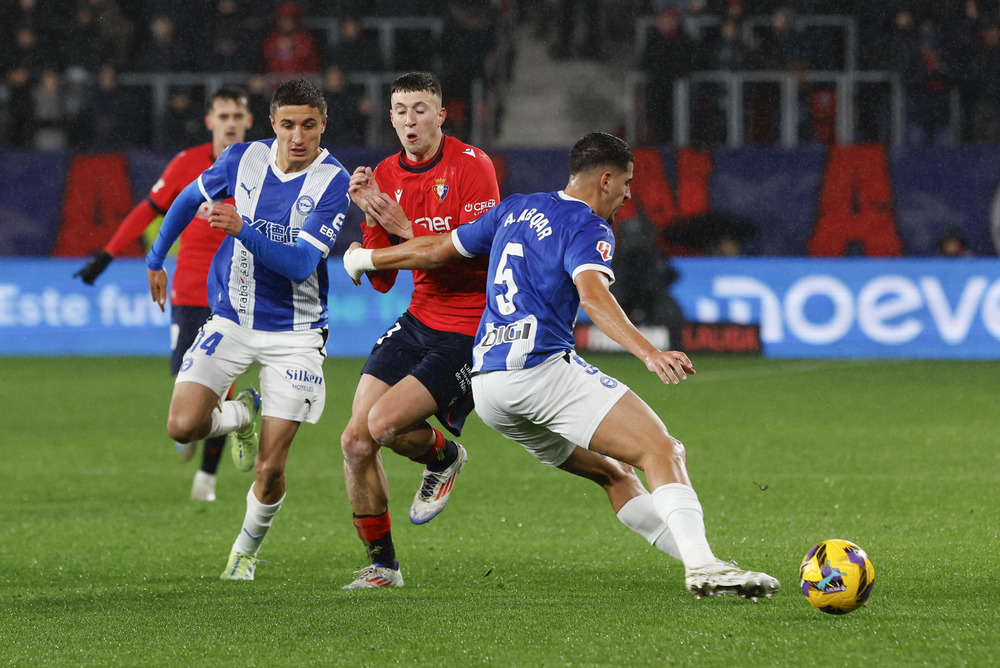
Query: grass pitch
column 104, row 560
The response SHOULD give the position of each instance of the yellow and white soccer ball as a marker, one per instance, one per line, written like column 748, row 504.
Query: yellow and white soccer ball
column 837, row 577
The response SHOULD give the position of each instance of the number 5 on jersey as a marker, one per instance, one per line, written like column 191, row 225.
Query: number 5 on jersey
column 505, row 277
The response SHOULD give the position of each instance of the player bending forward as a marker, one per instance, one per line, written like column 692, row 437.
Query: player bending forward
column 550, row 253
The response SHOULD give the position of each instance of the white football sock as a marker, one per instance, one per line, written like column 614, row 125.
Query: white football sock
column 232, row 416
column 639, row 514
column 255, row 524
column 677, row 504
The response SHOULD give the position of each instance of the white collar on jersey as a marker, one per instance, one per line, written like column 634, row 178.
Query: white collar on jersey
column 320, row 157
column 563, row 194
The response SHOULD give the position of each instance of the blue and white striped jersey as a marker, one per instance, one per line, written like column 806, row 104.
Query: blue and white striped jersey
column 310, row 204
column 537, row 245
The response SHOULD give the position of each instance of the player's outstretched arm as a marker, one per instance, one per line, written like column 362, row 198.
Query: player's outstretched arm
column 417, row 253
column 671, row 366
column 296, row 262
column 180, row 214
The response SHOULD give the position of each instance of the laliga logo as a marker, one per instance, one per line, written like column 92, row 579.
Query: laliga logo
column 885, row 308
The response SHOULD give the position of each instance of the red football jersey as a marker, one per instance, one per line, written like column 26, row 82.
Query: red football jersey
column 198, row 241
column 456, row 186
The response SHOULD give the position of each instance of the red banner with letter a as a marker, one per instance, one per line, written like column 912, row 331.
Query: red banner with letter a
column 98, row 197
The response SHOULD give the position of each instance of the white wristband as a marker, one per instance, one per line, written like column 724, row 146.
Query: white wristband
column 358, row 261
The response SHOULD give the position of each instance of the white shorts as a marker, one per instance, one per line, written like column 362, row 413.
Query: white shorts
column 291, row 366
column 550, row 408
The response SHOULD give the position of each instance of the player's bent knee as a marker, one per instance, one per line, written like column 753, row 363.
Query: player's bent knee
column 267, row 471
column 357, row 446
column 185, row 428
column 660, row 450
column 382, row 428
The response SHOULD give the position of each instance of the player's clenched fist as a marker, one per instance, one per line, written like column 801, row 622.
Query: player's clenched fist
column 224, row 217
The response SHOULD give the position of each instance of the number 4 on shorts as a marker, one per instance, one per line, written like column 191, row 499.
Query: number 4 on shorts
column 209, row 344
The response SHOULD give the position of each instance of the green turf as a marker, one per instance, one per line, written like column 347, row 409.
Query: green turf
column 104, row 560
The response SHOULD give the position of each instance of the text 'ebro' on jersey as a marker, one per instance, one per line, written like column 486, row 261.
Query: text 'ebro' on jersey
column 310, row 204
column 537, row 245
column 457, row 185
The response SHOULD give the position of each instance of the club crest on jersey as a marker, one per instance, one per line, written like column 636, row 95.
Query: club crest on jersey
column 604, row 248
column 305, row 205
column 440, row 189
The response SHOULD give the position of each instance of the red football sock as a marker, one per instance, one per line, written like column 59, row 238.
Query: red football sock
column 432, row 455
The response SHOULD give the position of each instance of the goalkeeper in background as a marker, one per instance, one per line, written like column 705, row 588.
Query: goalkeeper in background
column 228, row 118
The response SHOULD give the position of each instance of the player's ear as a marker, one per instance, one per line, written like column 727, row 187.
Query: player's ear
column 442, row 114
column 606, row 180
column 249, row 120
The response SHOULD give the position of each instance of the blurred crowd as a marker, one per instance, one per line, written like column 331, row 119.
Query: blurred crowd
column 62, row 62
column 946, row 54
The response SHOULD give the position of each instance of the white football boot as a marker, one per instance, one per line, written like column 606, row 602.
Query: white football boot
column 721, row 578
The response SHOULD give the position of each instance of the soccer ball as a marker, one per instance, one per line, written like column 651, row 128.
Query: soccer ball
column 837, row 577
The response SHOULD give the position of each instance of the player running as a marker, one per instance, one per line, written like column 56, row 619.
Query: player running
column 228, row 118
column 420, row 367
column 268, row 289
column 550, row 253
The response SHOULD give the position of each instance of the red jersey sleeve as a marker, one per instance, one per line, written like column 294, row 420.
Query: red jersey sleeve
column 174, row 179
column 377, row 237
column 180, row 171
column 132, row 227
column 480, row 191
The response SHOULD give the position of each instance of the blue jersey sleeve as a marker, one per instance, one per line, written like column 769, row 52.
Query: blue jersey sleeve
column 214, row 181
column 323, row 223
column 178, row 216
column 476, row 237
column 296, row 263
column 590, row 248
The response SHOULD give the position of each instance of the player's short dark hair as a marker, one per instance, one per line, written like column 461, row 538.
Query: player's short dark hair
column 298, row 92
column 234, row 93
column 599, row 149
column 415, row 82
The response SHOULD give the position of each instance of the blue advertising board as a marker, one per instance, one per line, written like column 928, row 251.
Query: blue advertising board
column 44, row 311
column 851, row 308
column 821, row 308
